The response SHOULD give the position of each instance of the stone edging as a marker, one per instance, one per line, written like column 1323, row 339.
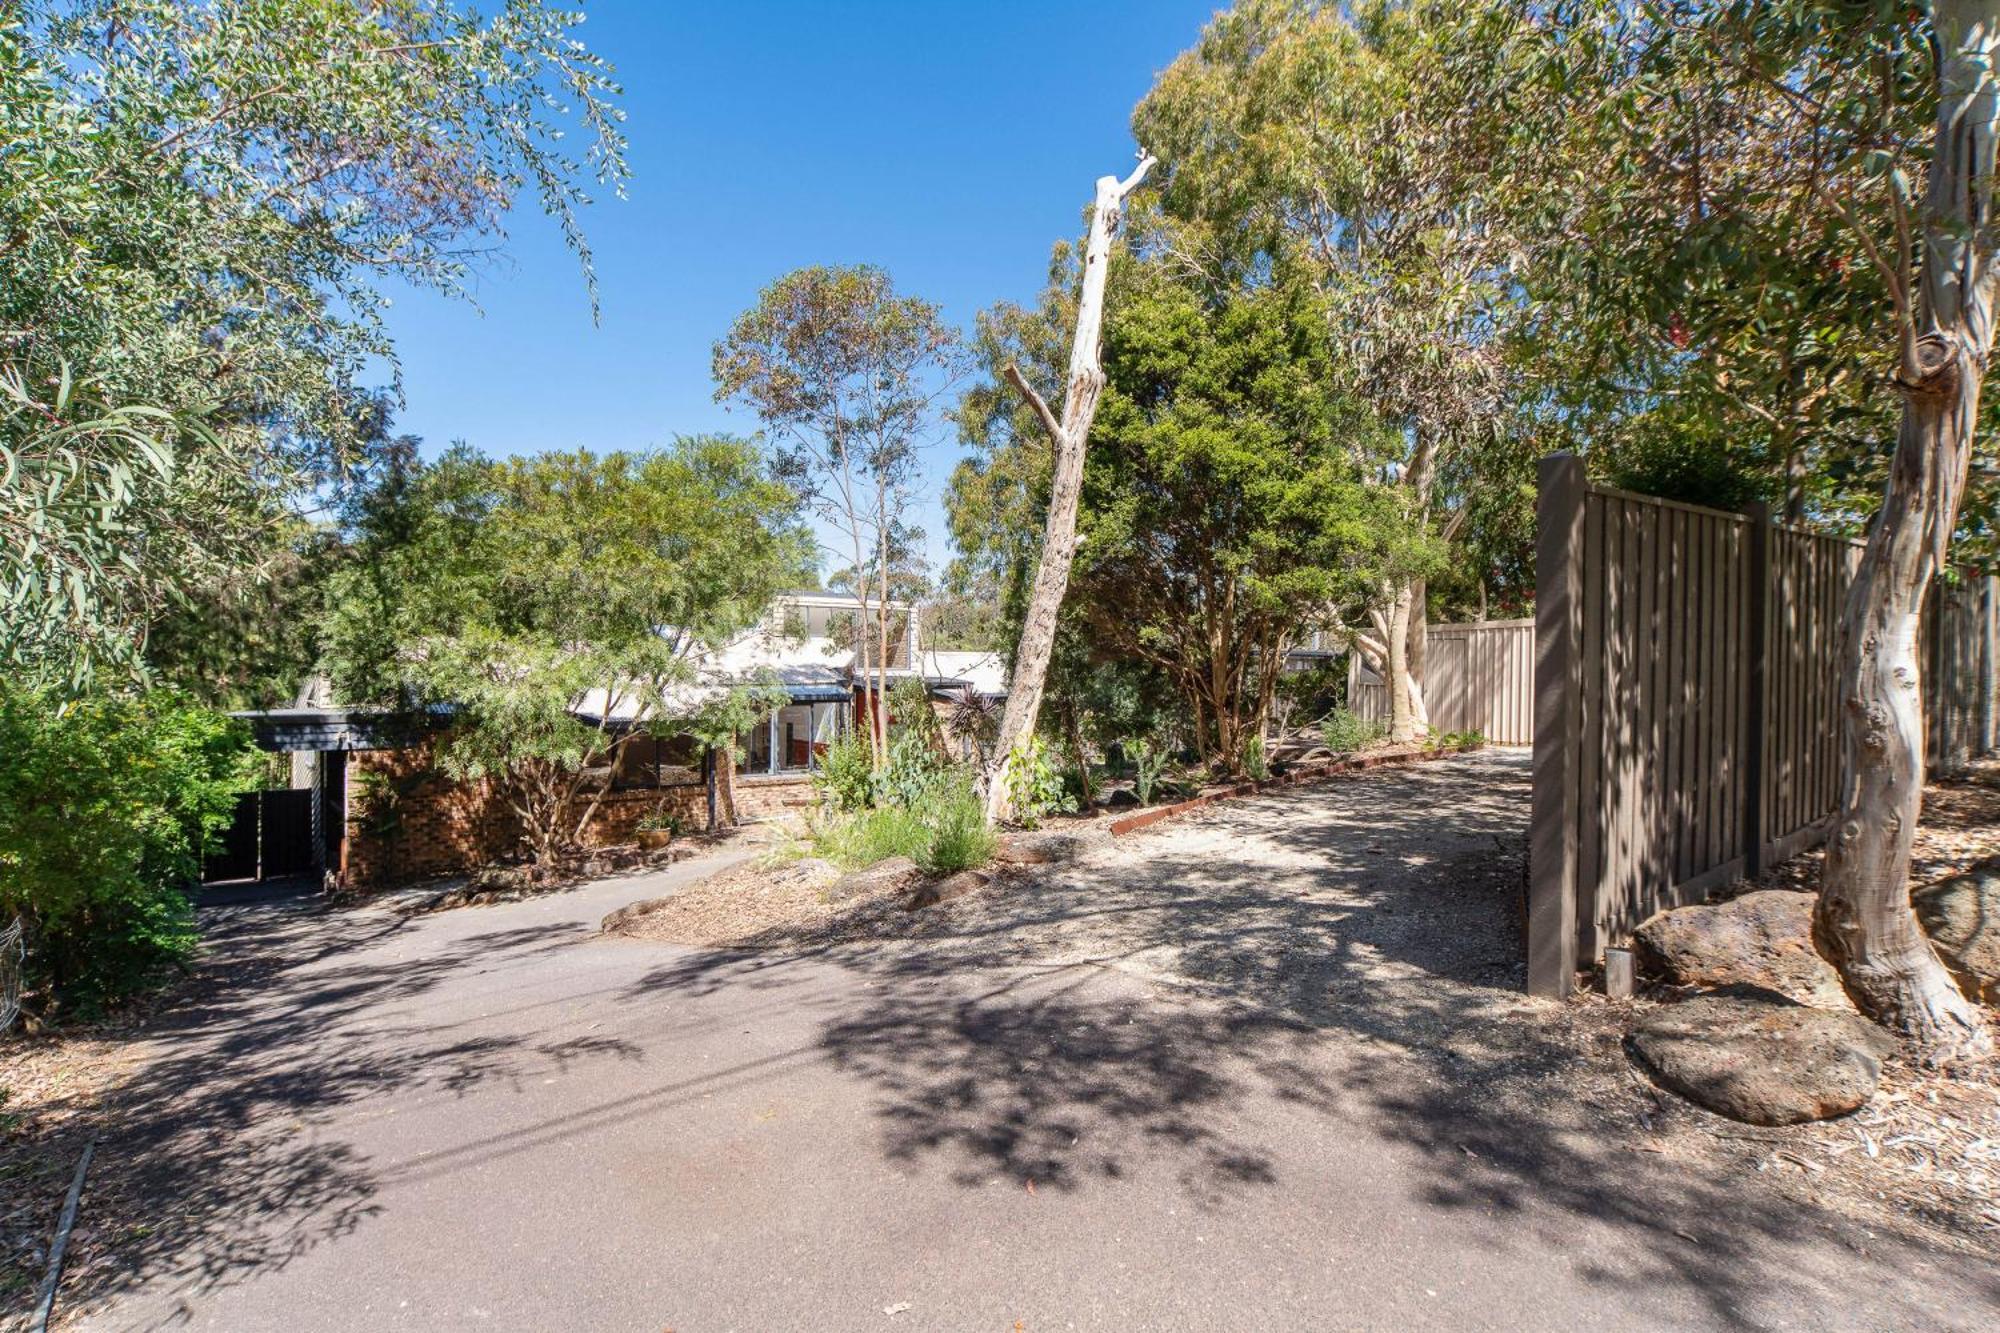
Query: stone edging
column 1319, row 772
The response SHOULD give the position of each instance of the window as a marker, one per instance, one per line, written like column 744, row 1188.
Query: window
column 652, row 761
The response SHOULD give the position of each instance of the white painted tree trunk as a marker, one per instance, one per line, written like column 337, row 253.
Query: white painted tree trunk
column 1863, row 923
column 1069, row 434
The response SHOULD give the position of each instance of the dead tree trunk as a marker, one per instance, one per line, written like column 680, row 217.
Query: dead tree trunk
column 1085, row 386
column 1863, row 923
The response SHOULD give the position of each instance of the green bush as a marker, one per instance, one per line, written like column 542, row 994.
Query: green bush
column 956, row 835
column 1034, row 787
column 1343, row 731
column 106, row 804
column 845, row 778
column 863, row 837
column 1255, row 765
column 914, row 770
column 1150, row 762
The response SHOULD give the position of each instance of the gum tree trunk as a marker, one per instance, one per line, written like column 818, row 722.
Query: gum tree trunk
column 1085, row 386
column 1863, row 923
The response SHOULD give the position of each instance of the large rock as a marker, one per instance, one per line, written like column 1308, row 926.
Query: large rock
column 882, row 875
column 1761, row 939
column 1037, row 849
column 1962, row 915
column 932, row 892
column 1758, row 1057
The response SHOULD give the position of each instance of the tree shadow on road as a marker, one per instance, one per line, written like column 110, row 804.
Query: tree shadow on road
column 1213, row 1014
column 211, row 1165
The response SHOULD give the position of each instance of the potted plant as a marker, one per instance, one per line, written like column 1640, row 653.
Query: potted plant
column 658, row 827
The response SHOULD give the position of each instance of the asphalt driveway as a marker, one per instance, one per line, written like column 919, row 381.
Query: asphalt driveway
column 1276, row 1073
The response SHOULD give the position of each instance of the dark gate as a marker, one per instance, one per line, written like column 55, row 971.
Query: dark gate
column 234, row 854
column 271, row 835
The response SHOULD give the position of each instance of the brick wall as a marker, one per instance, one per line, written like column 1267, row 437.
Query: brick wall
column 406, row 820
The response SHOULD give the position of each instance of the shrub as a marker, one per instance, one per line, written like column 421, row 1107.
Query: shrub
column 1034, row 787
column 957, row 837
column 915, row 768
column 845, row 778
column 1255, row 765
column 1150, row 762
column 1344, row 731
column 862, row 838
column 105, row 807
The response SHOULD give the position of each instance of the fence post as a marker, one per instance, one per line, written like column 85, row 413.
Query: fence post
column 1552, row 837
column 1756, row 678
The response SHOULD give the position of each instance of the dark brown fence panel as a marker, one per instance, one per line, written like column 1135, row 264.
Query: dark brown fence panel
column 1478, row 676
column 1686, row 689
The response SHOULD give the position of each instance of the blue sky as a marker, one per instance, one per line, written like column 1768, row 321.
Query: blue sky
column 949, row 142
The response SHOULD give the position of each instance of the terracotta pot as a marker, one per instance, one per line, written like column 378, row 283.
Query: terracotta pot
column 652, row 839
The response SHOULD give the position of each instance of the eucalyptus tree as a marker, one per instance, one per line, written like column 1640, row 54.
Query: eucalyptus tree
column 1068, row 433
column 201, row 202
column 1941, row 281
column 849, row 376
column 1797, row 199
column 1350, row 145
column 1698, row 185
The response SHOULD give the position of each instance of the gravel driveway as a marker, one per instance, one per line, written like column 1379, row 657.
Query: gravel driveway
column 1268, row 1067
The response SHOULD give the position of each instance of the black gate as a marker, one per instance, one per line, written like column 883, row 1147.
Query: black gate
column 234, row 854
column 271, row 835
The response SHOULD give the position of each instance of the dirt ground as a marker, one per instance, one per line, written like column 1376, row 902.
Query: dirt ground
column 1377, row 916
column 1384, row 908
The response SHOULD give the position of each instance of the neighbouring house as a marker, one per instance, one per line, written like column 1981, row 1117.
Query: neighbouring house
column 368, row 807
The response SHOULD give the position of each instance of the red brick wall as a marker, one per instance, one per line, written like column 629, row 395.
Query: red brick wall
column 406, row 820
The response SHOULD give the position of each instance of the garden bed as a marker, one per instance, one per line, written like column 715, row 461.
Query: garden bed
column 1318, row 771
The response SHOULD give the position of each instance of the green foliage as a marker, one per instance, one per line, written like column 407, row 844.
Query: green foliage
column 1344, row 732
column 1255, row 766
column 860, row 839
column 536, row 598
column 914, row 769
column 943, row 830
column 201, row 200
column 1035, row 788
column 845, row 778
column 663, row 818
column 1150, row 761
column 1454, row 740
column 911, row 711
column 106, row 804
column 957, row 836
column 1225, row 505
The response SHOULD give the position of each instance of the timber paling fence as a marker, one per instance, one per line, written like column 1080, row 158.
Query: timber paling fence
column 1686, row 704
column 1478, row 677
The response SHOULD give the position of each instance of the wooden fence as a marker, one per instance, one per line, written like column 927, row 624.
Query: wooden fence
column 1477, row 677
column 1686, row 704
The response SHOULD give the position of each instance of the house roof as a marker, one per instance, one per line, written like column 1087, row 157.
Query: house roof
column 986, row 673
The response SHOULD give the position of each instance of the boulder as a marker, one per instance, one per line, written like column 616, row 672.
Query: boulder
column 1760, row 939
column 881, row 875
column 933, row 892
column 1961, row 913
column 1121, row 798
column 1759, row 1058
column 1038, row 849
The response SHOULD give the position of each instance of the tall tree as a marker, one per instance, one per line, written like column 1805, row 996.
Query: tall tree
column 1224, row 512
column 202, row 201
column 1067, row 436
column 1349, row 144
column 1942, row 290
column 849, row 376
